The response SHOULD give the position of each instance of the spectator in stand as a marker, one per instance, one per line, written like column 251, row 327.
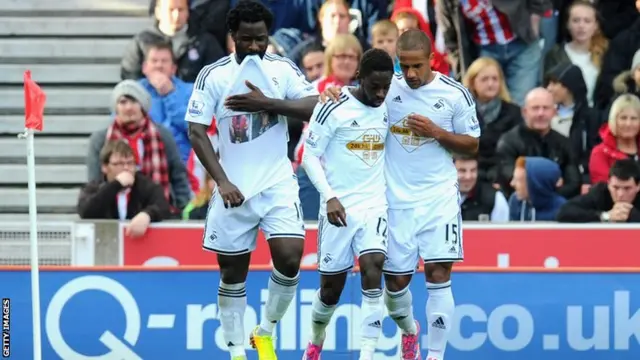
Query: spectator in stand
column 123, row 193
column 478, row 199
column 586, row 47
column 535, row 197
column 169, row 95
column 426, row 9
column 620, row 137
column 617, row 59
column 312, row 62
column 384, row 35
column 410, row 18
column 615, row 202
column 535, row 137
column 629, row 81
column 506, row 30
column 485, row 80
column 616, row 15
column 341, row 60
column 154, row 148
column 574, row 118
column 198, row 206
column 192, row 50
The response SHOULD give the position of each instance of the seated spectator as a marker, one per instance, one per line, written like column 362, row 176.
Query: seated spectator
column 535, row 197
column 479, row 200
column 620, row 137
column 615, row 202
column 586, row 47
column 574, row 118
column 384, row 36
column 123, row 193
column 192, row 51
column 629, row 81
column 169, row 95
column 154, row 149
column 618, row 58
column 198, row 207
column 485, row 80
column 410, row 18
column 312, row 62
column 341, row 60
column 506, row 31
column 333, row 20
column 536, row 138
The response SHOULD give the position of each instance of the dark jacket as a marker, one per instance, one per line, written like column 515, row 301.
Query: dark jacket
column 194, row 53
column 616, row 60
column 99, row 200
column 544, row 202
column 589, row 207
column 478, row 201
column 520, row 141
column 583, row 134
column 509, row 117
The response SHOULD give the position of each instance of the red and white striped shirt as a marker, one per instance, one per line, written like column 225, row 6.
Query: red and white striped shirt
column 491, row 26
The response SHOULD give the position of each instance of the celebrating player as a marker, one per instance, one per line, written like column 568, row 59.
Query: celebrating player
column 349, row 136
column 256, row 185
column 431, row 117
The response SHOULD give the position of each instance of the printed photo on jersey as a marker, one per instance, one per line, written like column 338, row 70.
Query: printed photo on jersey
column 247, row 127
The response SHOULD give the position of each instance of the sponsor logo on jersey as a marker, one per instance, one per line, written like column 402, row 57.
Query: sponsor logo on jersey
column 368, row 147
column 409, row 140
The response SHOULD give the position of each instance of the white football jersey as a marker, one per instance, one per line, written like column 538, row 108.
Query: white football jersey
column 349, row 137
column 253, row 147
column 420, row 170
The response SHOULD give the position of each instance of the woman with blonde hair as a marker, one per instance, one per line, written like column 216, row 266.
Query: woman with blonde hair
column 586, row 47
column 485, row 80
column 620, row 137
column 341, row 59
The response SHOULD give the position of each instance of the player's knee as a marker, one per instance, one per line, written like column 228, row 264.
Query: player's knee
column 233, row 269
column 371, row 270
column 437, row 272
column 397, row 283
column 329, row 294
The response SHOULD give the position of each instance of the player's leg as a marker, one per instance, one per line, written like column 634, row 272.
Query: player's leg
column 335, row 261
column 442, row 247
column 401, row 263
column 231, row 234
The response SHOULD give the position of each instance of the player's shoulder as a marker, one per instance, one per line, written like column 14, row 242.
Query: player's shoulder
column 284, row 65
column 209, row 73
column 453, row 90
column 330, row 109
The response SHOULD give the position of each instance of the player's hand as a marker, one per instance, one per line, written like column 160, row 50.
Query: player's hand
column 423, row 126
column 620, row 212
column 138, row 225
column 231, row 196
column 253, row 101
column 126, row 179
column 336, row 214
column 330, row 93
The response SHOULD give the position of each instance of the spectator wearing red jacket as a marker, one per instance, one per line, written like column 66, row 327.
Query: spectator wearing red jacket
column 620, row 138
column 409, row 18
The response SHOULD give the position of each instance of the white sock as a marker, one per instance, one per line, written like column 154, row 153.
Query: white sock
column 400, row 307
column 440, row 309
column 371, row 311
column 232, row 301
column 282, row 289
column 321, row 314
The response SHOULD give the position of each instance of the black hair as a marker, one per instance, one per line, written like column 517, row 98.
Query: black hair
column 465, row 157
column 626, row 169
column 313, row 47
column 414, row 39
column 375, row 60
column 248, row 11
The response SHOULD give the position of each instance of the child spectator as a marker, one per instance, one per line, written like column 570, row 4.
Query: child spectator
column 535, row 197
column 385, row 36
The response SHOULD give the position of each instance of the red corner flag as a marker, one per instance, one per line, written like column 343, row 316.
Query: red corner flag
column 34, row 99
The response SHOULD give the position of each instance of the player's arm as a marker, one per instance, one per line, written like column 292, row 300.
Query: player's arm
column 300, row 96
column 466, row 130
column 199, row 115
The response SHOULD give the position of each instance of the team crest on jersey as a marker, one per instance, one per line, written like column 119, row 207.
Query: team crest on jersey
column 439, row 105
column 368, row 146
column 385, row 119
column 409, row 140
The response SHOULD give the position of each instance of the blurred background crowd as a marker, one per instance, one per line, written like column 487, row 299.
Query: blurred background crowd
column 567, row 153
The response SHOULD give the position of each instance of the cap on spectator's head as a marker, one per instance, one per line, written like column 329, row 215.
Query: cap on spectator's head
column 636, row 61
column 134, row 90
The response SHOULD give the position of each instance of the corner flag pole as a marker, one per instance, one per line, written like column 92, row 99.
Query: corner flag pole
column 34, row 111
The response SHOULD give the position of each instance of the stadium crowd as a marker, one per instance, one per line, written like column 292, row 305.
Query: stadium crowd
column 556, row 86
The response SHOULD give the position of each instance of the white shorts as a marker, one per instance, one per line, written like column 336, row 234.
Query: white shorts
column 432, row 232
column 365, row 233
column 276, row 211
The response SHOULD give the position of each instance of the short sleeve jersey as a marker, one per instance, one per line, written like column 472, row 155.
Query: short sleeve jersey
column 419, row 170
column 349, row 137
column 253, row 147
